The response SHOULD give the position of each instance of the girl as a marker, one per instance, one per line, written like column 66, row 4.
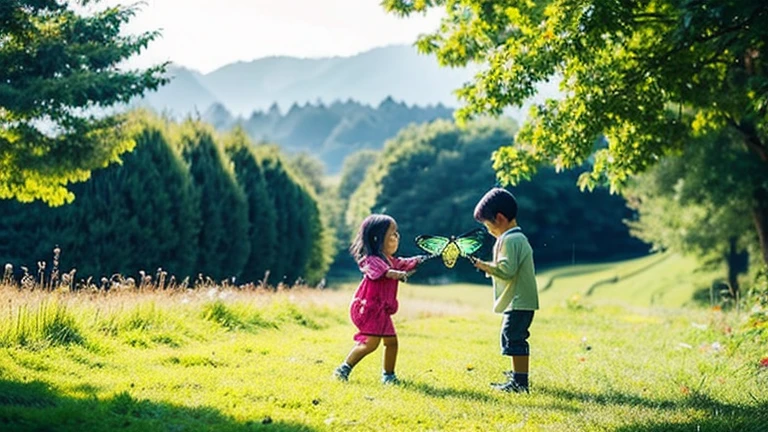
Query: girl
column 375, row 300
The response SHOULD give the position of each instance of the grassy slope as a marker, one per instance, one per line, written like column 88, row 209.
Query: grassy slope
column 242, row 362
column 655, row 280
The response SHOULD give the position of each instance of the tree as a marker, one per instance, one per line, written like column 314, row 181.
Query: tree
column 353, row 171
column 60, row 68
column 261, row 214
column 647, row 75
column 223, row 209
column 304, row 247
column 321, row 207
column 311, row 169
column 699, row 203
column 25, row 233
column 137, row 215
column 280, row 187
column 140, row 214
column 319, row 251
column 352, row 174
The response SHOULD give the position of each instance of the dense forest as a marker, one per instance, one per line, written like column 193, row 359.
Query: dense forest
column 187, row 201
column 193, row 201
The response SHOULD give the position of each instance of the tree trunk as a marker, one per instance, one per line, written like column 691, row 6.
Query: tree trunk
column 760, row 217
column 737, row 263
column 760, row 193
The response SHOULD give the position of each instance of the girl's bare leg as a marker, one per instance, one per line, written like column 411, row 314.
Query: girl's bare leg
column 361, row 350
column 390, row 354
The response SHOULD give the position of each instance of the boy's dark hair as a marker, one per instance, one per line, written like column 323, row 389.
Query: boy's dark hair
column 496, row 200
column 370, row 237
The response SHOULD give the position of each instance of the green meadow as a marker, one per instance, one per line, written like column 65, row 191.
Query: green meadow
column 616, row 346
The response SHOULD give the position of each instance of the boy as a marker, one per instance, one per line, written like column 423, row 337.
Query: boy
column 515, row 293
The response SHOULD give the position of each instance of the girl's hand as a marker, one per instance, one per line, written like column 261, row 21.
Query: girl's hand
column 397, row 274
column 405, row 275
column 421, row 258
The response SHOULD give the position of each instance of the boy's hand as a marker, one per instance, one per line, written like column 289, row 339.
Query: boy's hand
column 480, row 265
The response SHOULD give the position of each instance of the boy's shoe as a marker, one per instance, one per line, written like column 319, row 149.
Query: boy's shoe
column 341, row 373
column 389, row 379
column 510, row 387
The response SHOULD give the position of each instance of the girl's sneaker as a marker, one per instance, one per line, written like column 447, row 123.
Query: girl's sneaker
column 389, row 378
column 341, row 373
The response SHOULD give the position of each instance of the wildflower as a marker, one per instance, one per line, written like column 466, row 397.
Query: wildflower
column 8, row 274
column 584, row 345
column 764, row 362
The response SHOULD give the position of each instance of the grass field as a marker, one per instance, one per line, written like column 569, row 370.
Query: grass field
column 613, row 348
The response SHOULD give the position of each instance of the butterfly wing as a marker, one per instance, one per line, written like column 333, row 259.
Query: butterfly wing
column 432, row 245
column 470, row 242
column 450, row 254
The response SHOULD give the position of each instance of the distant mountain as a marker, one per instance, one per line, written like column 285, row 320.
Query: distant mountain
column 328, row 132
column 243, row 87
column 185, row 94
column 329, row 107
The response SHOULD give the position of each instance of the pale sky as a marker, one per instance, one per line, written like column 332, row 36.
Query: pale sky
column 207, row 34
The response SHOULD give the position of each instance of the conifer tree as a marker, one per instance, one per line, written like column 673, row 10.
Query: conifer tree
column 60, row 68
column 262, row 218
column 222, row 248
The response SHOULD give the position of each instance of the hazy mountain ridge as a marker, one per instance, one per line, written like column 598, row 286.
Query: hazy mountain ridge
column 329, row 132
column 330, row 107
column 243, row 87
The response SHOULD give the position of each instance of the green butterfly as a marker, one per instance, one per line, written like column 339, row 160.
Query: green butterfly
column 451, row 248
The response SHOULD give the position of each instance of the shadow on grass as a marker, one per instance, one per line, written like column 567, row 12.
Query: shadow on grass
column 569, row 272
column 446, row 392
column 712, row 424
column 717, row 416
column 34, row 406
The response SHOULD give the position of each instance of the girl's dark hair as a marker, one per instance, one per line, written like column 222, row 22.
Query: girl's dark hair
column 370, row 237
column 496, row 200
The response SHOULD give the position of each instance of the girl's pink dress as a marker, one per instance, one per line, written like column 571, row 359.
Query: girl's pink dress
column 375, row 300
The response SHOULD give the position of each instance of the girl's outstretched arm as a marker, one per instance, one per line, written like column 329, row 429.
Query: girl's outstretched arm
column 400, row 275
column 408, row 264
